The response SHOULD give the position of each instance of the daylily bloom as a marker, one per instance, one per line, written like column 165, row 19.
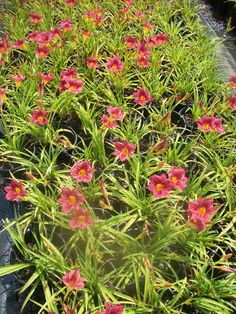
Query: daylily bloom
column 46, row 78
column 81, row 219
column 86, row 34
column 3, row 96
column 69, row 73
column 160, row 186
column 147, row 26
column 82, row 171
column 131, row 42
column 35, row 18
column 94, row 16
column 201, row 211
column 4, row 46
column 70, row 199
column 112, row 309
column 232, row 102
column 115, row 113
column 177, row 178
column 209, row 124
column 92, row 63
column 115, row 64
column 56, row 32
column 139, row 14
column 142, row 97
column 66, row 24
column 41, row 38
column 18, row 79
column 143, row 62
column 15, row 191
column 124, row 150
column 19, row 43
column 71, row 2
column 143, row 50
column 232, row 81
column 161, row 39
column 73, row 280
column 39, row 117
column 73, row 85
column 152, row 42
column 42, row 52
column 129, row 2
column 108, row 122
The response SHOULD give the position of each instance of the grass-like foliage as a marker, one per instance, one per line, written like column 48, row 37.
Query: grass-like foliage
column 119, row 154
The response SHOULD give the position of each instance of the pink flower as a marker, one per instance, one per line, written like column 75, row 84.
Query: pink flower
column 42, row 52
column 4, row 46
column 108, row 122
column 18, row 79
column 177, row 178
column 66, row 24
column 232, row 102
column 73, row 280
column 15, row 191
column 46, row 78
column 200, row 211
column 115, row 113
column 131, row 42
column 143, row 62
column 41, row 38
column 92, row 63
column 81, row 219
column 56, row 32
column 161, row 39
column 39, row 117
column 3, row 96
column 129, row 2
column 112, row 309
column 19, row 43
column 69, row 73
column 73, row 85
column 143, row 50
column 142, row 97
column 82, row 171
column 139, row 14
column 124, row 150
column 232, row 81
column 35, row 18
column 70, row 199
column 152, row 42
column 115, row 64
column 147, row 26
column 71, row 2
column 209, row 124
column 160, row 186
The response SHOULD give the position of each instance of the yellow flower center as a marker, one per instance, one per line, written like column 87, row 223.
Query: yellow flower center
column 159, row 187
column 206, row 126
column 202, row 210
column 125, row 151
column 174, row 179
column 114, row 67
column 82, row 173
column 81, row 218
column 72, row 88
column 17, row 190
column 40, row 118
column 142, row 98
column 72, row 199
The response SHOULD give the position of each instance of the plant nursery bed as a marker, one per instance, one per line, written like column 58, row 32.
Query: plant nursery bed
column 117, row 160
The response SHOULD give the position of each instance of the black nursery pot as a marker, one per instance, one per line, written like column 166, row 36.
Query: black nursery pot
column 180, row 122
